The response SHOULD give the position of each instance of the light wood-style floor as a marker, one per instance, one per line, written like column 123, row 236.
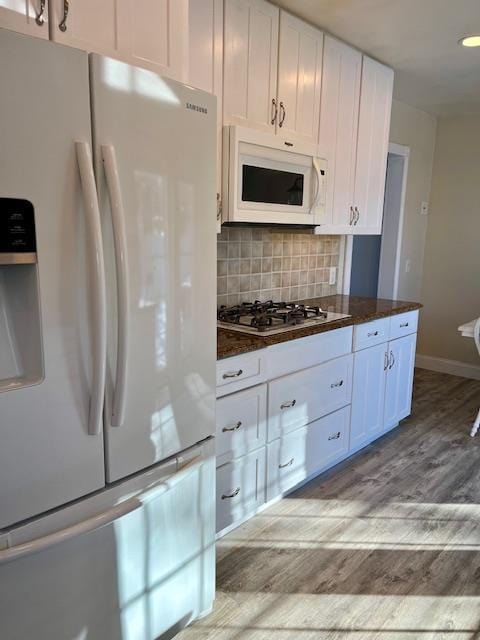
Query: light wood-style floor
column 385, row 545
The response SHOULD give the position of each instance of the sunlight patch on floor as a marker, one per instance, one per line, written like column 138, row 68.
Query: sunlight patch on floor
column 265, row 616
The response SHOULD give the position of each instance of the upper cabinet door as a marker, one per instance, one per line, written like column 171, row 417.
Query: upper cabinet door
column 153, row 34
column 205, row 45
column 372, row 148
column 148, row 33
column 89, row 25
column 29, row 17
column 250, row 63
column 338, row 127
column 205, row 63
column 299, row 78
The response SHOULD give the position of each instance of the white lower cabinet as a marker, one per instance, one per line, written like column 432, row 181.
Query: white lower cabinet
column 298, row 455
column 368, row 395
column 241, row 423
column 240, row 488
column 399, row 382
column 382, row 389
column 299, row 398
column 288, row 412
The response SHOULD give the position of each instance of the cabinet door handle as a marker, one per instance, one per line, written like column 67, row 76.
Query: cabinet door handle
column 357, row 216
column 403, row 325
column 352, row 213
column 40, row 17
column 274, row 111
column 385, row 366
column 219, row 207
column 63, row 24
column 392, row 360
column 287, row 464
column 335, row 436
column 373, row 333
column 232, row 374
column 336, row 384
column 287, row 405
column 229, row 496
column 234, row 428
column 283, row 114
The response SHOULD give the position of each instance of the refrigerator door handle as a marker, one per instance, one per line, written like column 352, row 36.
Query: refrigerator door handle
column 102, row 519
column 95, row 248
column 74, row 530
column 120, row 242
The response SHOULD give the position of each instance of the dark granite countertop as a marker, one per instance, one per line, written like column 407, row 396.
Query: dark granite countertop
column 233, row 343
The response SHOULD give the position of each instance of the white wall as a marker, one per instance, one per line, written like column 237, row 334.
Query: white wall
column 451, row 278
column 415, row 129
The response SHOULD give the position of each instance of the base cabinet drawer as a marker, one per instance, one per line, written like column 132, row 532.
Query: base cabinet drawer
column 300, row 398
column 403, row 324
column 296, row 355
column 240, row 488
column 240, row 372
column 371, row 333
column 299, row 454
column 241, row 423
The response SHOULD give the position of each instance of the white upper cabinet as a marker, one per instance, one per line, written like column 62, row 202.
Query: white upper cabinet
column 250, row 63
column 264, row 45
column 89, row 25
column 354, row 130
column 153, row 34
column 148, row 33
column 372, row 147
column 339, row 108
column 205, row 45
column 299, row 78
column 25, row 16
column 205, row 64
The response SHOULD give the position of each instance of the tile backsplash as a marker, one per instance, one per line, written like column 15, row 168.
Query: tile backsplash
column 268, row 264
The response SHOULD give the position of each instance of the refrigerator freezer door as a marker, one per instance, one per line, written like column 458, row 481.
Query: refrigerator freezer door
column 143, row 576
column 156, row 165
column 47, row 456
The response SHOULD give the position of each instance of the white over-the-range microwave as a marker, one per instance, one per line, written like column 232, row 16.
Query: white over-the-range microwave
column 270, row 180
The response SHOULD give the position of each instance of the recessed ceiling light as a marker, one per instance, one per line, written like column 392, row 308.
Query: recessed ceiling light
column 471, row 41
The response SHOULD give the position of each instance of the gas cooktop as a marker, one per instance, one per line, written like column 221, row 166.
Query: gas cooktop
column 273, row 317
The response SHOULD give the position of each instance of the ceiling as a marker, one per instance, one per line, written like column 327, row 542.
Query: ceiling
column 418, row 38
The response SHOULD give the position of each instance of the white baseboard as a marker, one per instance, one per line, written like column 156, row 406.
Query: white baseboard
column 453, row 367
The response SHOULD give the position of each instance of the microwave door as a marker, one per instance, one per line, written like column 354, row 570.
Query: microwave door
column 272, row 186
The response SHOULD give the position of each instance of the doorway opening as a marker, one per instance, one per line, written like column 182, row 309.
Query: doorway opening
column 372, row 263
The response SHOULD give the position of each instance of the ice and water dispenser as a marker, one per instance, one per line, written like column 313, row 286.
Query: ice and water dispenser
column 21, row 359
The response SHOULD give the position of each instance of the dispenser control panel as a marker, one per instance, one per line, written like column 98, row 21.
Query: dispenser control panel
column 17, row 226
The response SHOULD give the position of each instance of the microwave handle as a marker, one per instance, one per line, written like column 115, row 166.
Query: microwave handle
column 316, row 166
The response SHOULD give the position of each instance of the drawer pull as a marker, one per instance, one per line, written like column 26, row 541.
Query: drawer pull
column 287, row 405
column 229, row 496
column 403, row 325
column 234, row 428
column 373, row 333
column 232, row 374
column 287, row 464
column 336, row 384
column 335, row 436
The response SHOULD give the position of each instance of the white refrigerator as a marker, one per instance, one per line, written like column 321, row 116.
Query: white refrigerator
column 107, row 347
